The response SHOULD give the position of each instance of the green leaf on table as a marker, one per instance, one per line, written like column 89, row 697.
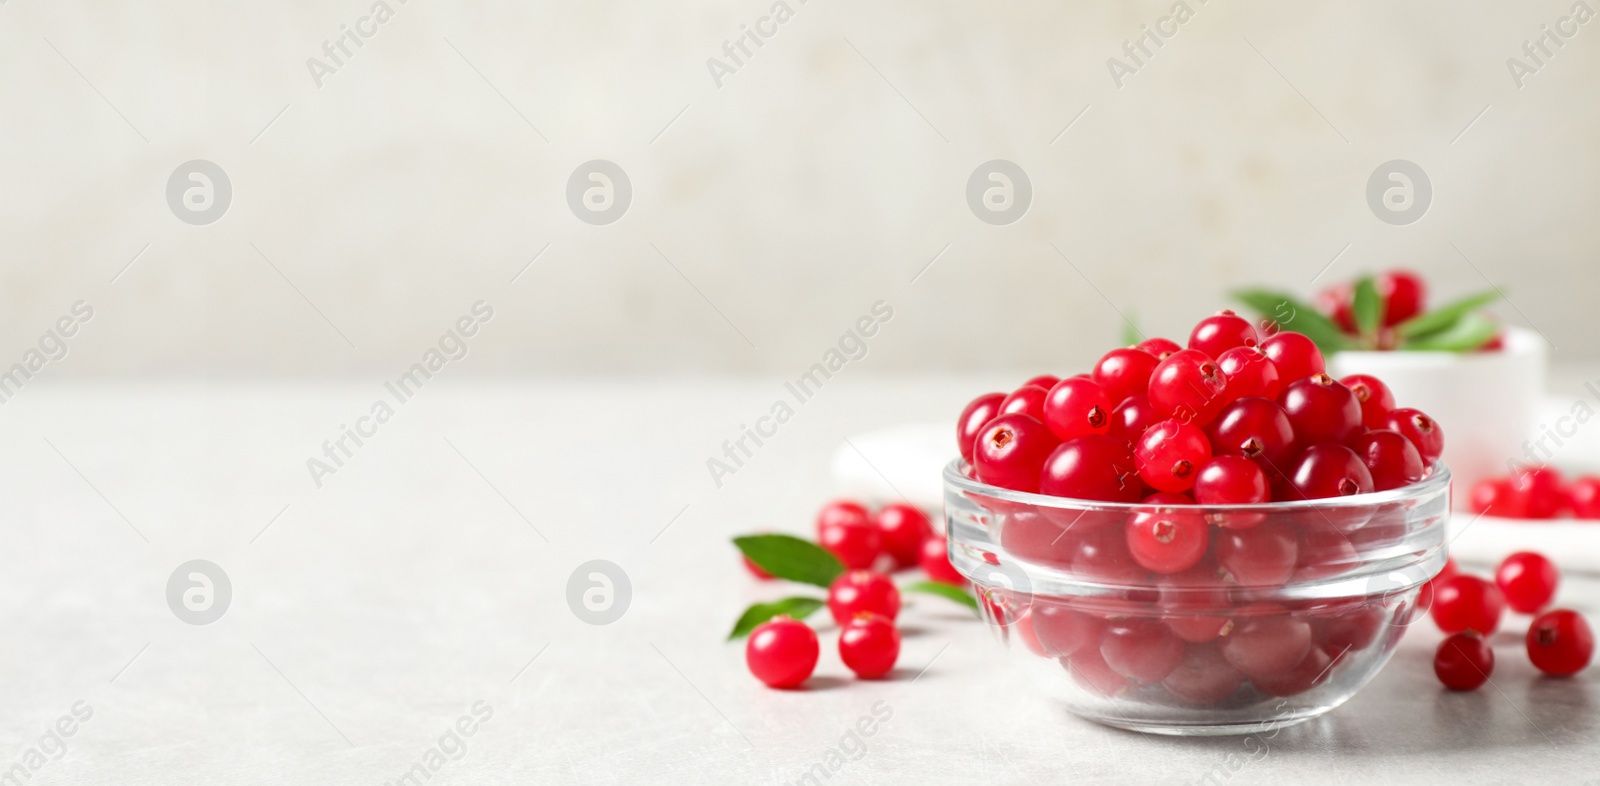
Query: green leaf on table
column 798, row 607
column 1445, row 316
column 1292, row 314
column 791, row 558
column 943, row 590
column 1469, row 332
column 1367, row 307
column 1130, row 331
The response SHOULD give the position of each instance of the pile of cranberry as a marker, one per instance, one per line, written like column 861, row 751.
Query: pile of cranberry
column 1559, row 642
column 1537, row 493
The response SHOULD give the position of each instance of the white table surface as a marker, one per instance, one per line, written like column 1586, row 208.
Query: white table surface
column 375, row 611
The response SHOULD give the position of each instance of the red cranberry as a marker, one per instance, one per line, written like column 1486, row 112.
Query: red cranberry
column 1250, row 373
column 1538, row 493
column 1130, row 419
column 1583, row 496
column 1423, row 431
column 1375, row 398
column 1263, row 556
column 1010, row 452
column 869, row 645
column 1350, row 630
column 1528, row 581
column 1188, row 386
column 1063, row 631
column 1257, row 429
column 841, row 511
column 1077, row 407
column 1308, row 674
column 1321, row 410
column 1464, row 661
column 1170, row 453
column 1463, row 603
column 1045, row 381
column 1191, row 601
column 1167, row 539
column 782, row 652
column 1036, row 537
column 935, row 561
column 1231, row 480
column 1295, row 356
column 1265, row 641
column 755, row 570
column 1325, row 550
column 1335, row 302
column 1203, row 677
column 1160, row 348
column 860, row 591
column 1391, row 458
column 1217, row 334
column 1141, row 650
column 1026, row 400
column 1100, row 554
column 1089, row 669
column 1560, row 643
column 1330, row 470
column 856, row 545
column 1125, row 372
column 978, row 413
column 1094, row 467
column 902, row 529
column 1494, row 497
column 1402, row 292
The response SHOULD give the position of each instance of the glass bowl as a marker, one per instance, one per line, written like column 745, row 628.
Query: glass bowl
column 1294, row 607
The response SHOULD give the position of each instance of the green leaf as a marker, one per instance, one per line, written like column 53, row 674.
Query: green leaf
column 1130, row 331
column 792, row 558
column 1445, row 316
column 1367, row 306
column 1292, row 314
column 943, row 590
column 798, row 607
column 1469, row 332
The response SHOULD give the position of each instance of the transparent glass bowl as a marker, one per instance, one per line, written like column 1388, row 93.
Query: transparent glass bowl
column 1235, row 645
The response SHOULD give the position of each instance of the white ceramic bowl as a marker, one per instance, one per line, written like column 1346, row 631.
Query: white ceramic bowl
column 1487, row 402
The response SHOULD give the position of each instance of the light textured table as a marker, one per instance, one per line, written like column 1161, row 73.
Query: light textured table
column 369, row 615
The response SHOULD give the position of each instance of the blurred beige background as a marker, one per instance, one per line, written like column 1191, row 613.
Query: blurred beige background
column 429, row 167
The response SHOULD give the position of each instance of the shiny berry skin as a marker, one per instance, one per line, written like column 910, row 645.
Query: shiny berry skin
column 1560, row 643
column 1538, row 493
column 935, row 561
column 755, row 570
column 1188, row 386
column 1167, row 540
column 1423, row 431
column 978, row 413
column 1095, row 467
column 1262, row 556
column 1160, row 348
column 1250, row 373
column 1391, row 458
column 1464, row 661
column 1221, row 332
column 869, row 645
column 856, row 545
column 1076, row 407
column 1026, row 400
column 1130, row 419
column 841, row 511
column 1010, row 452
column 1296, row 356
column 858, row 591
column 1045, row 381
column 1528, row 581
column 1263, row 643
column 782, row 652
column 1125, row 372
column 1063, row 631
column 1230, row 480
column 1495, row 498
column 1144, row 651
column 1257, row 429
column 1583, row 497
column 1402, row 292
column 1321, row 410
column 1330, row 470
column 1467, row 603
column 902, row 529
column 1203, row 677
column 1170, row 454
column 1375, row 398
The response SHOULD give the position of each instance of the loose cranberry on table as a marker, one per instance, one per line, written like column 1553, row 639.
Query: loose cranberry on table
column 1538, row 493
column 869, row 645
column 1583, row 497
column 1528, row 581
column 935, row 561
column 1221, row 332
column 1560, row 643
column 1076, row 407
column 1188, row 386
column 1295, row 356
column 1423, row 431
column 1494, row 497
column 841, row 511
column 1375, row 397
column 902, row 528
column 1464, row 661
column 858, row 591
column 1467, row 603
column 856, row 545
column 977, row 414
column 782, row 652
column 1392, row 459
column 1170, row 453
column 1010, row 452
column 1125, row 372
